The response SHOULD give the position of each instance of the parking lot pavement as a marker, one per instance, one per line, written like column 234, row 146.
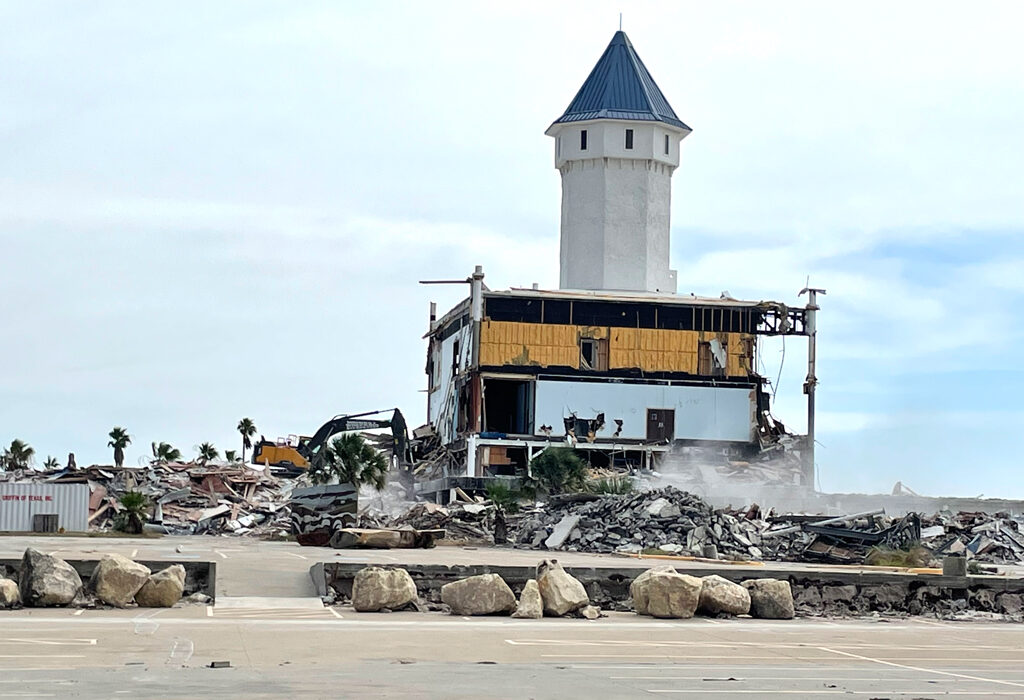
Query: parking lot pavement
column 279, row 647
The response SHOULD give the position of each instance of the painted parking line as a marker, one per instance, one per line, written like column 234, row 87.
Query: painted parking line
column 873, row 693
column 924, row 670
column 50, row 642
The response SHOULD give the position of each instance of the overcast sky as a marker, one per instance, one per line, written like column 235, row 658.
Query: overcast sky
column 217, row 210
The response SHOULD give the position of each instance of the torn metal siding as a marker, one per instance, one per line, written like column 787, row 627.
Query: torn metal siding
column 20, row 502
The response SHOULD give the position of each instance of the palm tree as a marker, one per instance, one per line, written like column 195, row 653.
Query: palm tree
column 164, row 452
column 134, row 505
column 51, row 463
column 247, row 429
column 207, row 452
column 119, row 440
column 231, row 455
column 350, row 460
column 18, row 455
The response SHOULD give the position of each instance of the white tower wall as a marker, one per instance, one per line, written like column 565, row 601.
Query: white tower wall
column 616, row 204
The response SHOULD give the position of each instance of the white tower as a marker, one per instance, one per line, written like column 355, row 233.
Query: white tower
column 616, row 147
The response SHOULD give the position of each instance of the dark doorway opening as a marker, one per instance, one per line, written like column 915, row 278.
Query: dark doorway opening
column 508, row 406
column 661, row 424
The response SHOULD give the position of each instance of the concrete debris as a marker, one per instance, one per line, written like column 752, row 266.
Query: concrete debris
column 9, row 595
column 464, row 523
column 561, row 593
column 164, row 588
column 590, row 612
column 531, row 605
column 665, row 593
column 116, row 579
column 486, row 594
column 651, row 520
column 770, row 598
column 720, row 595
column 47, row 580
column 376, row 588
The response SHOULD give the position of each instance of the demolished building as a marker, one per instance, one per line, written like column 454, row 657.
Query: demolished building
column 614, row 363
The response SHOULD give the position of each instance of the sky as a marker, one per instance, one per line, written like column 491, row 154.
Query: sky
column 218, row 210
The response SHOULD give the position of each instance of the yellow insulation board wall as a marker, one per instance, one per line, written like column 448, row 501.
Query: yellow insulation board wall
column 653, row 350
column 504, row 343
column 546, row 345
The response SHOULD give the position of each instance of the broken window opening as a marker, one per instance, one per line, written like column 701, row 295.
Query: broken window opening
column 711, row 358
column 594, row 354
column 508, row 406
column 455, row 358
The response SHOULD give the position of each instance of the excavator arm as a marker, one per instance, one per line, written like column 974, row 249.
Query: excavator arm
column 309, row 449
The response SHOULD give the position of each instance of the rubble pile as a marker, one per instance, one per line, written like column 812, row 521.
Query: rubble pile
column 997, row 539
column 183, row 498
column 462, row 522
column 667, row 519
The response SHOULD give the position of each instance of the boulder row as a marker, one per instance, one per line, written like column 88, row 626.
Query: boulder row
column 531, row 606
column 9, row 595
column 163, row 589
column 770, row 598
column 376, row 588
column 664, row 592
column 486, row 594
column 47, row 580
column 116, row 580
column 561, row 593
column 720, row 595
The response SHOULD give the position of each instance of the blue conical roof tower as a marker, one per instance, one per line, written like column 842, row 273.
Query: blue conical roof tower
column 620, row 87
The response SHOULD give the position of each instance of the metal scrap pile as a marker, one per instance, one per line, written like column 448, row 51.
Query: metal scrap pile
column 184, row 498
column 997, row 539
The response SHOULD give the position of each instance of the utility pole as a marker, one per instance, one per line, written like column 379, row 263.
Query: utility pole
column 811, row 383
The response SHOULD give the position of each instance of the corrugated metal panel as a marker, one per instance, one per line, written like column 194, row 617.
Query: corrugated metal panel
column 19, row 502
column 620, row 87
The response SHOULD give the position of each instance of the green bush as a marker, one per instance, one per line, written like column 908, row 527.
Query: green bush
column 504, row 496
column 559, row 470
column 612, row 486
column 134, row 505
column 912, row 557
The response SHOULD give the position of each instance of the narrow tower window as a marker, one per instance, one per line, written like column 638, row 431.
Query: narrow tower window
column 666, row 144
column 629, row 139
column 583, row 140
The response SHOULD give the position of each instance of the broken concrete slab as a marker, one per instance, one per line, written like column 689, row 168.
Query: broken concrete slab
column 561, row 532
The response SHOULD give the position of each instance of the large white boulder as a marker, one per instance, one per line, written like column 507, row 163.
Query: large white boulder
column 720, row 595
column 561, row 593
column 663, row 592
column 376, row 588
column 47, row 580
column 531, row 605
column 116, row 579
column 485, row 594
column 163, row 589
column 9, row 594
column 770, row 598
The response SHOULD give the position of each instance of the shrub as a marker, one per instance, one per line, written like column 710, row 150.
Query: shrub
column 616, row 485
column 559, row 470
column 504, row 496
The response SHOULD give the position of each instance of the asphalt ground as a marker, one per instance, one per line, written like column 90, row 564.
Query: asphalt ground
column 280, row 641
column 276, row 651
